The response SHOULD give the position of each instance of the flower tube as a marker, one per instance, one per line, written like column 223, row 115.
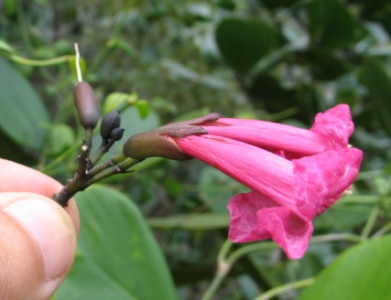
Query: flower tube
column 286, row 195
column 331, row 130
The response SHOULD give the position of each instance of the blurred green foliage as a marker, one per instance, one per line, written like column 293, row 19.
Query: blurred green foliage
column 159, row 61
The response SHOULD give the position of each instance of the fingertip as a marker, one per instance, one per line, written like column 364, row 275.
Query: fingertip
column 73, row 212
column 52, row 233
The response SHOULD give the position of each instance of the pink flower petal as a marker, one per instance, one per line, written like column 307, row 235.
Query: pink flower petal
column 254, row 218
column 335, row 126
column 244, row 225
column 320, row 180
column 289, row 231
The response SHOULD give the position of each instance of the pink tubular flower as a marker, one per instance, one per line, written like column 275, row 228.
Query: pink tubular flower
column 286, row 194
column 331, row 130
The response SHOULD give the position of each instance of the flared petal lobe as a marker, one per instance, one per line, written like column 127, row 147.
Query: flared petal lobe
column 335, row 126
column 255, row 218
column 321, row 179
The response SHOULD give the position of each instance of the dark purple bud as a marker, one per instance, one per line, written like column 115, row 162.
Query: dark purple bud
column 86, row 105
column 110, row 121
column 116, row 134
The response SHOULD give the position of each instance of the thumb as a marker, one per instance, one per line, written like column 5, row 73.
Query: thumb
column 37, row 246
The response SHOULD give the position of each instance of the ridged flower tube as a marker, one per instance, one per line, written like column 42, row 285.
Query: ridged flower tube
column 286, row 194
column 331, row 130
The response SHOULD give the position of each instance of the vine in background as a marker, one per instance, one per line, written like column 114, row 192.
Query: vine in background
column 8, row 52
column 226, row 260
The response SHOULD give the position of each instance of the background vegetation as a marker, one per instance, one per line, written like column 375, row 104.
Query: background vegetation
column 279, row 60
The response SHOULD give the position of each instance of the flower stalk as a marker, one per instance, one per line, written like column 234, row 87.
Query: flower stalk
column 87, row 171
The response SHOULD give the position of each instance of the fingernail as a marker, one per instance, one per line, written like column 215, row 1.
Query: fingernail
column 51, row 228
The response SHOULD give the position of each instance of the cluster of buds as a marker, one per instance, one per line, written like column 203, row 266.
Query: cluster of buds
column 88, row 171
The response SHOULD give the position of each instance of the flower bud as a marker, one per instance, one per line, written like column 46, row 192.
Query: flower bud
column 116, row 134
column 157, row 143
column 110, row 121
column 86, row 105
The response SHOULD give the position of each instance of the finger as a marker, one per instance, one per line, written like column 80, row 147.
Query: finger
column 37, row 246
column 19, row 178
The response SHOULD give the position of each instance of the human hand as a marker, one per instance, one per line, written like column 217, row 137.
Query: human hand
column 37, row 236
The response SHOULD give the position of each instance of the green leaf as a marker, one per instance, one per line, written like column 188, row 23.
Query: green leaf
column 216, row 189
column 178, row 70
column 143, row 108
column 273, row 4
column 61, row 136
column 363, row 272
column 331, row 24
column 114, row 101
column 343, row 217
column 118, row 257
column 22, row 115
column 12, row 151
column 325, row 65
column 244, row 42
column 373, row 75
column 119, row 101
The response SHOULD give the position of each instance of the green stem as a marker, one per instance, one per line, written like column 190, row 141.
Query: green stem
column 106, row 164
column 336, row 237
column 234, row 256
column 370, row 223
column 273, row 59
column 362, row 200
column 118, row 168
column 224, row 265
column 284, row 288
column 103, row 148
column 224, row 250
column 382, row 230
column 217, row 280
column 53, row 164
column 222, row 270
column 37, row 63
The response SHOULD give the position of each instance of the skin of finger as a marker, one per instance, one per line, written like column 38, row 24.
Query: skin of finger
column 13, row 286
column 22, row 274
column 19, row 178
